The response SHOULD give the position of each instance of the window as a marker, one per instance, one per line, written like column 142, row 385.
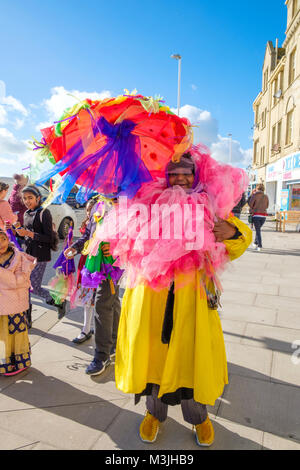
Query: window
column 257, row 115
column 279, row 125
column 280, row 80
column 262, row 155
column 289, row 127
column 255, row 152
column 265, row 80
column 294, row 8
column 275, row 89
column 273, row 137
column 264, row 118
column 292, row 67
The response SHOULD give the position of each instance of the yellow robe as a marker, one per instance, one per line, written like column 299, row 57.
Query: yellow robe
column 195, row 357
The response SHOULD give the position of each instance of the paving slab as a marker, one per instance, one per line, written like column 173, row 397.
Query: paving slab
column 284, row 369
column 262, row 405
column 238, row 297
column 277, row 302
column 247, row 313
column 270, row 337
column 273, row 442
column 254, row 287
column 63, row 427
column 12, row 441
column 233, row 330
column 249, row 361
column 289, row 319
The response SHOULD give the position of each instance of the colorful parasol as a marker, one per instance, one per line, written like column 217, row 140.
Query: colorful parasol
column 112, row 146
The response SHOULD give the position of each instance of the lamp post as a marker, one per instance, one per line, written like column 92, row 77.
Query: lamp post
column 178, row 57
column 230, row 148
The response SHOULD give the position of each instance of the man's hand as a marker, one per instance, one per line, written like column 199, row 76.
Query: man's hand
column 70, row 253
column 105, row 249
column 223, row 230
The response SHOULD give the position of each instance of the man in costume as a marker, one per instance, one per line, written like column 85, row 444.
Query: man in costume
column 170, row 344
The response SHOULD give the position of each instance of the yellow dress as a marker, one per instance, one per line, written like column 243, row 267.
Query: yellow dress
column 195, row 357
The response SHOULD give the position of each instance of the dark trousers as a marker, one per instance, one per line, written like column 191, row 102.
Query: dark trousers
column 192, row 411
column 107, row 315
column 258, row 222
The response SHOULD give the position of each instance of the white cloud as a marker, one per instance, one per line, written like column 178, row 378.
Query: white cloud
column 19, row 123
column 10, row 107
column 206, row 127
column 239, row 157
column 194, row 87
column 206, row 132
column 61, row 99
column 43, row 124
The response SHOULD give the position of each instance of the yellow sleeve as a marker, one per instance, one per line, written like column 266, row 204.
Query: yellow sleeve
column 236, row 248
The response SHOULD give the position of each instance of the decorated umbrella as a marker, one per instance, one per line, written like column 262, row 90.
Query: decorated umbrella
column 112, row 146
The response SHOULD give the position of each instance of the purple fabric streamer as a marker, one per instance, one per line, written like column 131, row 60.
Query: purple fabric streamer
column 64, row 265
column 68, row 118
column 116, row 169
column 93, row 280
column 13, row 239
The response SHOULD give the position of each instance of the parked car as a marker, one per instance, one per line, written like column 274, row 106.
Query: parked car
column 71, row 200
column 62, row 214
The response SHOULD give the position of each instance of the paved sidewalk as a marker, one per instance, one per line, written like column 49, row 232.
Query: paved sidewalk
column 55, row 405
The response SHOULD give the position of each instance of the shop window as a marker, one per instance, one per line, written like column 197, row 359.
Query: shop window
column 295, row 197
column 289, row 128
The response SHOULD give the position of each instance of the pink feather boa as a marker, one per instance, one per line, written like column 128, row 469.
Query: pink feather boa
column 155, row 260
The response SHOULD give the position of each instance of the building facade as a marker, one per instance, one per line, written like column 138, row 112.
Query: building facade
column 276, row 137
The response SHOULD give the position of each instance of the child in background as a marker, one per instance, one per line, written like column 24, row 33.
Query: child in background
column 86, row 331
column 6, row 212
column 15, row 269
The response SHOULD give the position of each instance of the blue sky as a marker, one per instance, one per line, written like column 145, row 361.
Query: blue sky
column 52, row 47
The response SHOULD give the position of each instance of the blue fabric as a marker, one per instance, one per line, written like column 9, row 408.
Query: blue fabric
column 114, row 170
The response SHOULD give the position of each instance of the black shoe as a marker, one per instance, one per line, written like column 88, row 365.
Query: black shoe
column 97, row 367
column 61, row 308
column 50, row 302
column 82, row 340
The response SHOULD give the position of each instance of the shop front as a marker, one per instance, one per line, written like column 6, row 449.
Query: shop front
column 283, row 183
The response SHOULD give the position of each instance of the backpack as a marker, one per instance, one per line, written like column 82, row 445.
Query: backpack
column 54, row 235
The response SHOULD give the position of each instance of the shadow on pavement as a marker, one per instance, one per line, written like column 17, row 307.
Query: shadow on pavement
column 121, row 425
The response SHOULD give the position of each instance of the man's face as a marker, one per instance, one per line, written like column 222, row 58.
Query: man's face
column 181, row 179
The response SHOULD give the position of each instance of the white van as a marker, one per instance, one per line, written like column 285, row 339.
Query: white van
column 62, row 214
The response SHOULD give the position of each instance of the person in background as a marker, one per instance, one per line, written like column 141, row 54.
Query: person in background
column 37, row 231
column 6, row 213
column 107, row 307
column 238, row 208
column 259, row 203
column 15, row 269
column 15, row 199
column 86, row 331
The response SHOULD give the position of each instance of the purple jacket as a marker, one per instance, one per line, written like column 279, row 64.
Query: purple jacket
column 15, row 201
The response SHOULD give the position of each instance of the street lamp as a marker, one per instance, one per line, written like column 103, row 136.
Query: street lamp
column 178, row 57
column 230, row 148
